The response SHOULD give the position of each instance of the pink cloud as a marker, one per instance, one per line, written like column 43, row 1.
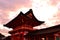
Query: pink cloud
column 3, row 31
column 11, row 5
column 54, row 2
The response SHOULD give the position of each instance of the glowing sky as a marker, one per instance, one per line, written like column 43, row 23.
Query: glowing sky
column 44, row 10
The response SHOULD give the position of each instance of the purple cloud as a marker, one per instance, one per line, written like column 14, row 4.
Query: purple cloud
column 11, row 5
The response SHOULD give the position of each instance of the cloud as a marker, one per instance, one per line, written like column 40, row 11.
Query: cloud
column 11, row 5
column 4, row 32
column 14, row 4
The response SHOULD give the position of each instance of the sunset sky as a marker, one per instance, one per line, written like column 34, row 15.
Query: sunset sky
column 44, row 10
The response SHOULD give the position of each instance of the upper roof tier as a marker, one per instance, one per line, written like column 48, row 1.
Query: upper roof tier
column 27, row 18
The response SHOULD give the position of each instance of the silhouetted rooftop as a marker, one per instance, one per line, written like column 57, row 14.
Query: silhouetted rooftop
column 51, row 29
column 27, row 18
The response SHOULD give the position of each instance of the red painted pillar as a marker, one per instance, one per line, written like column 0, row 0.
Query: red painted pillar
column 54, row 37
column 15, row 37
column 46, row 38
column 21, row 35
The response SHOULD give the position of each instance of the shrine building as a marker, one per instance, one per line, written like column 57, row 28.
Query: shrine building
column 23, row 24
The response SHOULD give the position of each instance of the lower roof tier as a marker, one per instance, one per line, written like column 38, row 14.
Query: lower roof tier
column 53, row 29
